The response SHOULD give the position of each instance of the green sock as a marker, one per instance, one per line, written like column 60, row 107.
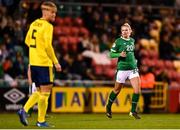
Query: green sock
column 112, row 97
column 135, row 99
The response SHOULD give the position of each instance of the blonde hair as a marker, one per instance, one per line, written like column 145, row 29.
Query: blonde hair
column 126, row 25
column 48, row 5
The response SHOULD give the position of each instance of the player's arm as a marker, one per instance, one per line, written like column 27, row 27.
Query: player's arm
column 114, row 52
column 49, row 47
column 50, row 50
column 28, row 38
column 29, row 75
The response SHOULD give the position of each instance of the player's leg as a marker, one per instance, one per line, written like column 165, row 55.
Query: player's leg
column 112, row 97
column 32, row 89
column 33, row 99
column 43, row 104
column 135, row 82
column 46, row 82
column 120, row 80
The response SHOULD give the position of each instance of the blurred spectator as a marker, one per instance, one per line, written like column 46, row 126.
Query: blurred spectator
column 18, row 32
column 1, row 71
column 104, row 43
column 9, row 73
column 87, row 16
column 139, row 21
column 66, row 62
column 81, row 70
column 97, row 23
column 20, row 65
column 177, row 3
column 94, row 46
column 155, row 29
column 175, row 41
column 3, row 52
column 117, row 21
column 3, row 17
column 147, row 85
column 106, row 23
column 84, row 43
column 166, row 49
column 9, row 28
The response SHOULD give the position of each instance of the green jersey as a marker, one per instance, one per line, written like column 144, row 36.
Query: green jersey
column 124, row 63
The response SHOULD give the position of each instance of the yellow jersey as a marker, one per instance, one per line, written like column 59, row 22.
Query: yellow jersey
column 39, row 40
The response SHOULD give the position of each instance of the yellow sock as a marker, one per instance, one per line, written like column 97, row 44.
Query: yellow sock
column 42, row 105
column 33, row 99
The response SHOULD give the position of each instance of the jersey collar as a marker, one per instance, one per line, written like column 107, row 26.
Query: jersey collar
column 127, row 39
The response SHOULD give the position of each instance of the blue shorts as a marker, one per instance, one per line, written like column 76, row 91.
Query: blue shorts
column 42, row 75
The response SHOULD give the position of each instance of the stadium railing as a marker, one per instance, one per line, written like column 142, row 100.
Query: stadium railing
column 75, row 8
column 159, row 98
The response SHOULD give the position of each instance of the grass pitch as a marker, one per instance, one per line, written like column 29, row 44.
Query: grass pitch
column 95, row 121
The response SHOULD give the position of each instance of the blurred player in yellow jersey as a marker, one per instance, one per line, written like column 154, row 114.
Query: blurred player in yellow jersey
column 41, row 59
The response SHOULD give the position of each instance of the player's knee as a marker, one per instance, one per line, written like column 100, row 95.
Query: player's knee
column 116, row 90
column 137, row 90
column 44, row 96
column 46, row 88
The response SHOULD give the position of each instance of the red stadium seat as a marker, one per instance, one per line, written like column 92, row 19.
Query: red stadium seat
column 169, row 64
column 98, row 69
column 113, row 63
column 157, row 72
column 109, row 72
column 173, row 75
column 59, row 21
column 66, row 30
column 83, row 31
column 149, row 62
column 73, row 40
column 57, row 30
column 74, row 31
column 152, row 62
column 78, row 21
column 68, row 21
column 153, row 54
column 63, row 40
column 160, row 64
column 144, row 53
column 72, row 43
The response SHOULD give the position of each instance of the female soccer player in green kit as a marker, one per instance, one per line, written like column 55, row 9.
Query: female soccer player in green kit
column 123, row 49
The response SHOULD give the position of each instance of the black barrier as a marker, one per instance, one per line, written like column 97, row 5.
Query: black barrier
column 12, row 99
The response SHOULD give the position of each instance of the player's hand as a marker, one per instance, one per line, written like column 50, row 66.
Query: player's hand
column 58, row 67
column 123, row 54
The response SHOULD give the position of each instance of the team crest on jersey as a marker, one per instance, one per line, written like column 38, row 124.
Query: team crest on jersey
column 114, row 44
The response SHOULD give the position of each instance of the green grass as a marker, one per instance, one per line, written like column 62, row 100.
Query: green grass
column 96, row 121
